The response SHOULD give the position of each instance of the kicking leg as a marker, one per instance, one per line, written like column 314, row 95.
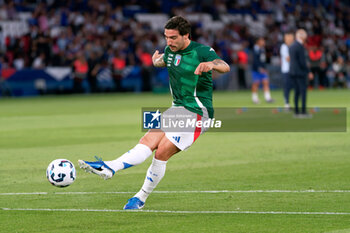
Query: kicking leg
column 139, row 153
column 135, row 156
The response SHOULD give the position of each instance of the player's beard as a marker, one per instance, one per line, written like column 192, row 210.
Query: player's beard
column 173, row 48
column 179, row 46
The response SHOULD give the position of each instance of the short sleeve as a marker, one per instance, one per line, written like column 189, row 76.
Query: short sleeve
column 284, row 51
column 206, row 53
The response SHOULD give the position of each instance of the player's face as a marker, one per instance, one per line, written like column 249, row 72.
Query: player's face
column 174, row 40
column 261, row 43
column 288, row 39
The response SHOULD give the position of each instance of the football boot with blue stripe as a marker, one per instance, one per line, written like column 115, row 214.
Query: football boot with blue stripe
column 97, row 167
column 134, row 203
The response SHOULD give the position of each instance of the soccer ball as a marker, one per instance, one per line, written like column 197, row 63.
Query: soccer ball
column 61, row 173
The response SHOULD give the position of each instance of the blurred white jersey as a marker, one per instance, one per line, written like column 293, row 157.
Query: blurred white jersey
column 284, row 52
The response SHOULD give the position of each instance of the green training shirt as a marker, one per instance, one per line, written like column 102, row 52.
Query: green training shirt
column 189, row 90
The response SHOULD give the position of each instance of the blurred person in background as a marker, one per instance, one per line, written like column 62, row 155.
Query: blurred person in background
column 242, row 63
column 347, row 69
column 19, row 62
column 80, row 71
column 104, row 77
column 299, row 72
column 93, row 61
column 145, row 59
column 259, row 72
column 4, row 89
column 316, row 59
column 39, row 61
column 339, row 69
column 285, row 66
column 118, row 65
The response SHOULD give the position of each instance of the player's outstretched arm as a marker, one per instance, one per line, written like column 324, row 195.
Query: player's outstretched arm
column 217, row 65
column 220, row 66
column 157, row 59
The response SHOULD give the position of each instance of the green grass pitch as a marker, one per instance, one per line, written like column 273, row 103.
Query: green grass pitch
column 35, row 131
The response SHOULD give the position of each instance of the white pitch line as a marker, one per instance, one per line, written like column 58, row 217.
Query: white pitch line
column 35, row 193
column 257, row 191
column 178, row 211
column 184, row 191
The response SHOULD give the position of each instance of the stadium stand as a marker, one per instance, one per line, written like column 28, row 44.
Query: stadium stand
column 129, row 31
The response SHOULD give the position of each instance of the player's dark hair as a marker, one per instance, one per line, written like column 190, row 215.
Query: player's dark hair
column 257, row 39
column 289, row 33
column 179, row 23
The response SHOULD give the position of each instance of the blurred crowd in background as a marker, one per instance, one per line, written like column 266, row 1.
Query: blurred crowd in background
column 102, row 39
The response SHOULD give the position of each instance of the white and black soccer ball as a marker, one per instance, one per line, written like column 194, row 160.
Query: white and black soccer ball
column 61, row 173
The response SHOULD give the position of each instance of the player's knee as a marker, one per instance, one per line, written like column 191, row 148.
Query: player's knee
column 148, row 142
column 162, row 154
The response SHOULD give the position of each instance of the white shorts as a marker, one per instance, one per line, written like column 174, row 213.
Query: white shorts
column 184, row 137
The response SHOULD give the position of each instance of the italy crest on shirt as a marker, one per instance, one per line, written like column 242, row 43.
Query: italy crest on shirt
column 177, row 59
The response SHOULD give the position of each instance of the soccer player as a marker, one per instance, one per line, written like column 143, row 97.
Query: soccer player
column 285, row 64
column 190, row 66
column 259, row 72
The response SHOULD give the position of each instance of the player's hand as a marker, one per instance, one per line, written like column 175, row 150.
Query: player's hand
column 157, row 58
column 204, row 67
column 156, row 55
column 262, row 70
column 311, row 76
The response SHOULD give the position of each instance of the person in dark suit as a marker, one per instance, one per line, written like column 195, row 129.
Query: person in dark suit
column 299, row 72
